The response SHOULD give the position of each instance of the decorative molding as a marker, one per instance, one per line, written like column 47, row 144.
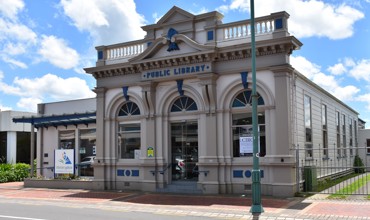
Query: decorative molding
column 205, row 56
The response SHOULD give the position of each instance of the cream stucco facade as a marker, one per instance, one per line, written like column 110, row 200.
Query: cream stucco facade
column 173, row 111
column 198, row 59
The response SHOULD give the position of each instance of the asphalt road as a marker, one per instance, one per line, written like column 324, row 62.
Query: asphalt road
column 55, row 210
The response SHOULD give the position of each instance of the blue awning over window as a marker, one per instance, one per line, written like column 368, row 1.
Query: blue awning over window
column 59, row 120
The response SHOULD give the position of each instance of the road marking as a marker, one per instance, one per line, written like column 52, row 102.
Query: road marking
column 16, row 217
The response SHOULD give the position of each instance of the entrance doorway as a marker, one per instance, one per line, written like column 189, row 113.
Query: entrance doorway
column 184, row 142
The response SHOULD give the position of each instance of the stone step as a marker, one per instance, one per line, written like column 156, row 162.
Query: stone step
column 184, row 187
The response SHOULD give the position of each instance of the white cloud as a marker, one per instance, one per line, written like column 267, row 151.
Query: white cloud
column 361, row 71
column 29, row 103
column 56, row 51
column 200, row 11
column 156, row 17
column 328, row 82
column 16, row 31
column 11, row 8
column 14, row 63
column 346, row 93
column 14, row 48
column 46, row 88
column 15, row 38
column 365, row 98
column 239, row 4
column 337, row 69
column 308, row 18
column 223, row 9
column 304, row 66
column 349, row 62
column 76, row 8
column 4, row 108
column 108, row 22
column 55, row 87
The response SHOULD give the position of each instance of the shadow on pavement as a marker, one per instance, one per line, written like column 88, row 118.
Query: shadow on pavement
column 165, row 199
column 299, row 206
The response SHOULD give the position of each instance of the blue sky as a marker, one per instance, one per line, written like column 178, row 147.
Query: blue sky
column 45, row 44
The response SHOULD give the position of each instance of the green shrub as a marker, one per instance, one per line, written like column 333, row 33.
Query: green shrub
column 3, row 176
column 13, row 172
column 21, row 171
column 5, row 167
column 358, row 165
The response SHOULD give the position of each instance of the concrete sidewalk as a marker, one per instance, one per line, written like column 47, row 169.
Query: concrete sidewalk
column 217, row 206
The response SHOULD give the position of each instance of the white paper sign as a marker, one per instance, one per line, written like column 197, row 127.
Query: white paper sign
column 64, row 161
column 246, row 145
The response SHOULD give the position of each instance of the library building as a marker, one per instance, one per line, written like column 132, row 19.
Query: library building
column 173, row 112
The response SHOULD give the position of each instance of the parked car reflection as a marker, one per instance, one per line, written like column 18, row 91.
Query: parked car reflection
column 184, row 169
column 85, row 166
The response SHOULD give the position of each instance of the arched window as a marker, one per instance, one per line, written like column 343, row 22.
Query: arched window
column 184, row 103
column 129, row 132
column 245, row 99
column 242, row 126
column 129, row 108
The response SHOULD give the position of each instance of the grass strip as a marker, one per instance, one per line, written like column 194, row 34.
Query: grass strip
column 353, row 187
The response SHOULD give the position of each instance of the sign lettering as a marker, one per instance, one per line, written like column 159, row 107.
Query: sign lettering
column 177, row 71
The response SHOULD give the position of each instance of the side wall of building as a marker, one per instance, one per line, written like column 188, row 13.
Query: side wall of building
column 364, row 145
column 334, row 131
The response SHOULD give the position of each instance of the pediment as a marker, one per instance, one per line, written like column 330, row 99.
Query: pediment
column 159, row 49
column 175, row 14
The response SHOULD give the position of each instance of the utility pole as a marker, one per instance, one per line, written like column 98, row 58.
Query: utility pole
column 256, row 208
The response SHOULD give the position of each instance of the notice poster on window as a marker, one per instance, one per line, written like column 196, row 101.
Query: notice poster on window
column 64, row 161
column 246, row 145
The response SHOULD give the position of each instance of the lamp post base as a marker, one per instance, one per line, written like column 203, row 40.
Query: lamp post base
column 256, row 192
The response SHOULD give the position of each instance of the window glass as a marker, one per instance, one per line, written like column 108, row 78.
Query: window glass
column 67, row 139
column 323, row 116
column 3, row 147
column 351, row 137
column 87, row 151
column 344, row 143
column 338, row 122
column 129, row 141
column 244, row 99
column 308, row 125
column 129, row 108
column 242, row 134
column 307, row 118
column 184, row 103
column 324, row 130
column 23, row 147
column 242, row 131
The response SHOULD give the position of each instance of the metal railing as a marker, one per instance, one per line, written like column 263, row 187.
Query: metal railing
column 316, row 165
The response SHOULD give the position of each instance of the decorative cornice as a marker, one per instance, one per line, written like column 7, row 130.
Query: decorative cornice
column 216, row 55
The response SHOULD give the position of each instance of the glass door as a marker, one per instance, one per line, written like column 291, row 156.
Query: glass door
column 184, row 142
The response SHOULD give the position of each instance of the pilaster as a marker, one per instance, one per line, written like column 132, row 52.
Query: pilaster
column 283, row 120
column 11, row 152
column 100, row 171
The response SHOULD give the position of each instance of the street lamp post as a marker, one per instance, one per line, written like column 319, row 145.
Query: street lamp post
column 256, row 208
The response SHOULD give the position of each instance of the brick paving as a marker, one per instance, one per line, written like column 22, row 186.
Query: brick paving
column 213, row 206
